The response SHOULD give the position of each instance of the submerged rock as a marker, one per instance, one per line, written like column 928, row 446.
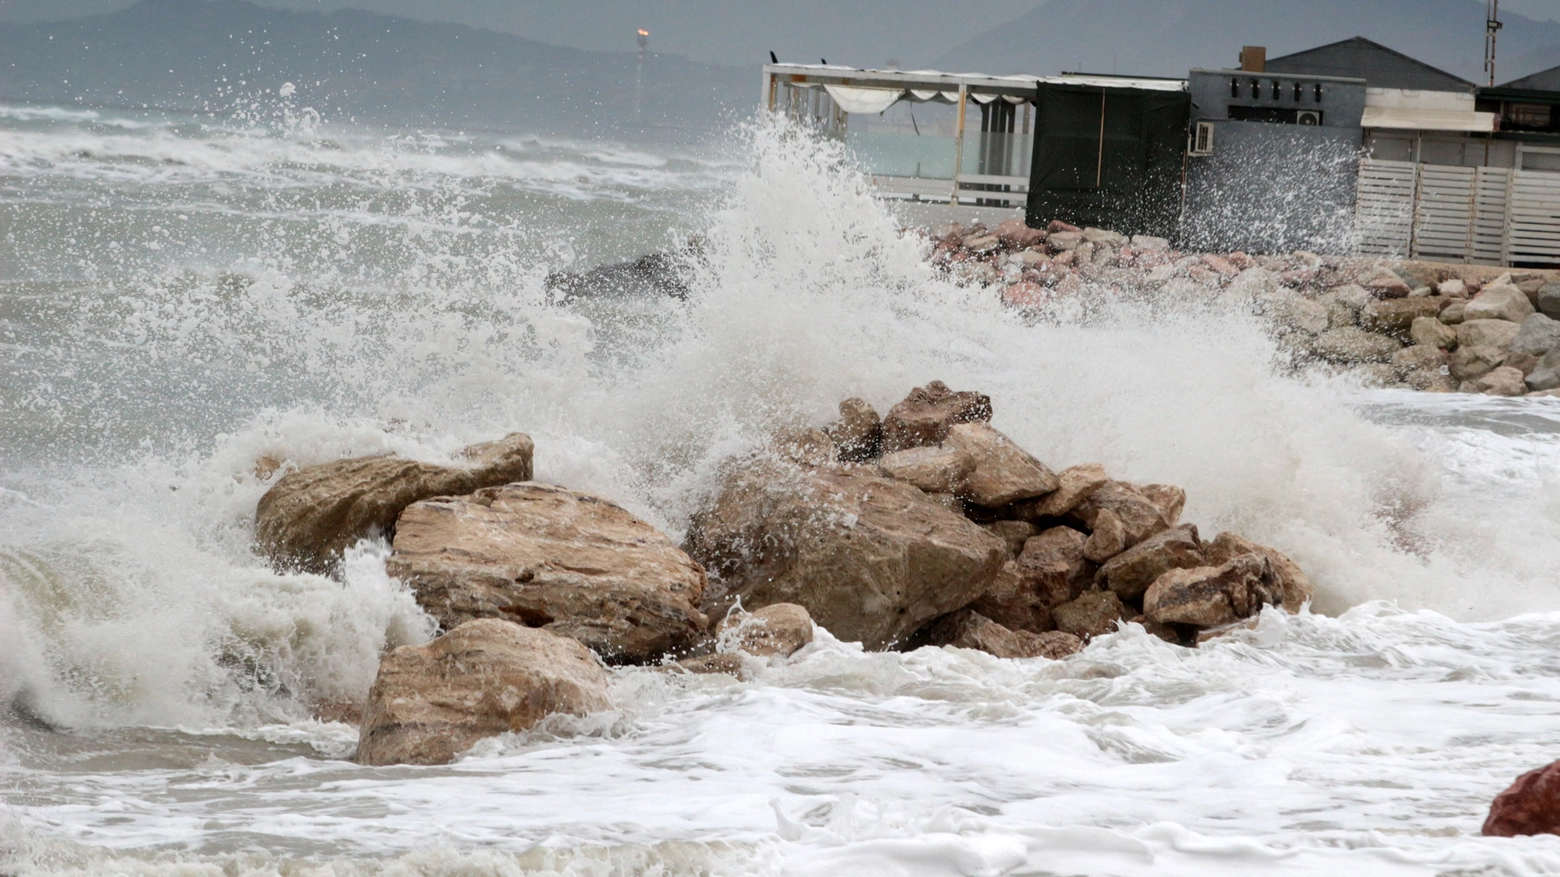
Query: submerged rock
column 575, row 564
column 1094, row 613
column 1530, row 806
column 487, row 677
column 968, row 629
column 777, row 629
column 309, row 517
column 655, row 274
column 871, row 559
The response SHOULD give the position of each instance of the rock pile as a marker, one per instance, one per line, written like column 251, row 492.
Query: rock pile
column 1410, row 325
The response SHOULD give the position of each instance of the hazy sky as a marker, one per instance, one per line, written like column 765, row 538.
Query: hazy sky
column 736, row 32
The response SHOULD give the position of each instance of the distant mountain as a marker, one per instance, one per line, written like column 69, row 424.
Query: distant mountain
column 1169, row 37
column 218, row 53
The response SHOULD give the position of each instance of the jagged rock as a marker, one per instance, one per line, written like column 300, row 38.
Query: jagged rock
column 486, row 677
column 1163, row 631
column 871, row 559
column 1108, row 539
column 968, row 629
column 573, row 563
column 1546, row 375
column 1094, row 613
column 1431, row 332
column 1149, row 243
column 1014, row 533
column 1050, row 571
column 1418, row 357
column 1137, row 513
column 1064, row 240
column 926, row 415
column 1549, row 299
column 1208, row 596
column 1536, row 335
column 1249, row 285
column 1015, row 233
column 1472, row 363
column 1486, row 333
column 1453, row 288
column 1502, row 381
column 1294, row 585
column 1454, row 313
column 1075, row 483
column 1348, row 345
column 1530, row 806
column 1003, row 473
column 1130, row 573
column 309, row 517
column 1169, row 499
column 807, row 446
column 858, row 436
column 1499, row 302
column 932, row 468
column 1396, row 316
column 1383, row 283
column 776, row 629
column 1522, row 362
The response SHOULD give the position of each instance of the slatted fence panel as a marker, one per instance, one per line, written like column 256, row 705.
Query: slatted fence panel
column 1443, row 216
column 1489, row 215
column 1533, row 226
column 1384, row 211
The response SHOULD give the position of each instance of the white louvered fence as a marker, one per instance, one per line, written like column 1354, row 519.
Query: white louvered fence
column 1481, row 215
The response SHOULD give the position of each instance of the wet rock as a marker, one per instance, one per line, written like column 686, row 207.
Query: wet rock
column 1208, row 596
column 1051, row 570
column 1015, row 233
column 1531, row 806
column 777, row 629
column 1431, row 332
column 1351, row 345
column 1169, row 499
column 1536, row 335
column 1396, row 316
column 1418, row 357
column 1295, row 587
column 858, row 436
column 1064, row 240
column 1487, row 333
column 1104, row 236
column 1426, row 380
column 575, row 564
column 656, row 274
column 1138, row 514
column 968, row 629
column 1454, row 313
column 1129, row 573
column 1472, row 363
column 486, row 677
column 1014, row 533
column 1149, row 243
column 1502, row 381
column 1453, row 288
column 982, row 243
column 1003, row 472
column 1108, row 539
column 808, row 446
column 871, row 559
column 1546, row 375
column 1163, row 631
column 1075, row 483
column 1094, row 613
column 1499, row 302
column 1384, row 283
column 933, row 469
column 1549, row 299
column 1292, row 312
column 926, row 415
column 309, row 517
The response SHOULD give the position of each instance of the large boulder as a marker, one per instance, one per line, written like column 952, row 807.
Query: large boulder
column 1349, row 344
column 1472, row 363
column 1537, row 335
column 1207, row 596
column 486, row 677
column 1050, row 571
column 926, row 415
column 1130, row 573
column 871, row 559
column 1395, row 316
column 932, row 468
column 1487, row 333
column 1499, row 302
column 1075, row 483
column 1094, row 613
column 1530, row 806
column 1502, row 381
column 1546, row 375
column 573, row 563
column 1003, row 473
column 1295, row 586
column 309, row 517
column 968, row 629
column 1139, row 516
column 1549, row 299
column 777, row 629
column 1431, row 332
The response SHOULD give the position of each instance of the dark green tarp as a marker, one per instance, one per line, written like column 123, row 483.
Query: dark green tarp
column 1124, row 175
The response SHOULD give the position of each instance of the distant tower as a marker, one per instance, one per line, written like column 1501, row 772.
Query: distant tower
column 1492, row 26
column 639, row 78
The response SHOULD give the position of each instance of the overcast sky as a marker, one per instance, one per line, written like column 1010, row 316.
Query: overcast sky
column 736, row 32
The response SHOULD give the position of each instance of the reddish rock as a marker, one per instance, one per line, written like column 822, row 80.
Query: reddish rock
column 1058, row 225
column 1015, row 233
column 926, row 415
column 1025, row 294
column 1530, row 806
column 1220, row 265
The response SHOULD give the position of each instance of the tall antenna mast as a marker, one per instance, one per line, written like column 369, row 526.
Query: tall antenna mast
column 639, row 77
column 1492, row 26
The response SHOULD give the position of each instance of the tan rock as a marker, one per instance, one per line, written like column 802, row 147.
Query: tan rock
column 1094, row 613
column 858, row 436
column 1137, row 513
column 1108, row 539
column 925, row 416
column 1431, row 332
column 1129, row 573
column 1502, row 381
column 704, row 665
column 1487, row 333
column 484, row 678
column 1454, row 313
column 1418, row 356
column 1499, row 302
column 776, row 629
column 1163, row 631
column 1004, row 473
column 932, row 468
column 1472, row 363
column 573, row 563
column 309, row 517
column 1018, row 601
column 1169, row 499
column 1350, row 345
column 872, row 559
column 1075, row 483
column 1295, row 586
column 1014, row 533
column 1213, row 596
column 968, row 629
column 807, row 446
column 1396, row 316
column 1522, row 362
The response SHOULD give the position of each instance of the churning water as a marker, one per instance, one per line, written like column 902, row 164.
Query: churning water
column 180, row 296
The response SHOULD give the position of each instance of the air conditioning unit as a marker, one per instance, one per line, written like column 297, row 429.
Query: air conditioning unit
column 1202, row 139
column 1308, row 117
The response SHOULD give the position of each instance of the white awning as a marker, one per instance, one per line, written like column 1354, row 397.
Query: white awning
column 1403, row 118
column 852, row 99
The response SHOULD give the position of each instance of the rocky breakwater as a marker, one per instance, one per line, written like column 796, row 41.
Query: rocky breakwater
column 930, row 527
column 1409, row 325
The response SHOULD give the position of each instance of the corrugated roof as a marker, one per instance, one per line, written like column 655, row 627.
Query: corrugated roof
column 1543, row 80
column 1369, row 60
